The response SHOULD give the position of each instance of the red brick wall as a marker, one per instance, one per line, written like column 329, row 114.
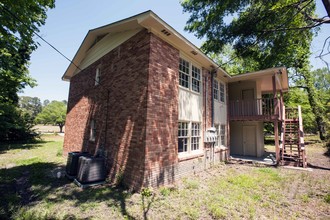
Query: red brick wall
column 162, row 116
column 121, row 118
column 135, row 108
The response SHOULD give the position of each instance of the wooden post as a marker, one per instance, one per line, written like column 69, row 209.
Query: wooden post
column 277, row 143
column 301, row 139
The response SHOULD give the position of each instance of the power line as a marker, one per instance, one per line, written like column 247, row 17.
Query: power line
column 49, row 44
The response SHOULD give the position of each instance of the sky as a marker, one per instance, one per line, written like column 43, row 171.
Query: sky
column 68, row 23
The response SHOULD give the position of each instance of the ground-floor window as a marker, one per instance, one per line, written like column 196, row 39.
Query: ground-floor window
column 189, row 136
column 223, row 135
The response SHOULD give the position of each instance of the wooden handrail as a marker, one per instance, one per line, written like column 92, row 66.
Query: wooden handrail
column 256, row 107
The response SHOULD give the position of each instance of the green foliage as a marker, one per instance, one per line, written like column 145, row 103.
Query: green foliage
column 30, row 105
column 54, row 113
column 296, row 97
column 15, row 124
column 19, row 20
column 262, row 34
column 17, row 43
column 146, row 192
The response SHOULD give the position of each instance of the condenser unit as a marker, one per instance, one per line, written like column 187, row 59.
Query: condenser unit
column 91, row 170
column 72, row 163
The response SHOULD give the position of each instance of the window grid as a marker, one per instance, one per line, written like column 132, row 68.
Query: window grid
column 196, row 78
column 216, row 90
column 223, row 135
column 216, row 144
column 195, row 136
column 183, row 137
column 184, row 77
column 222, row 92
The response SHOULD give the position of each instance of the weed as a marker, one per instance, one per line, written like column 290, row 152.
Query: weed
column 191, row 183
column 304, row 198
column 146, row 192
column 327, row 198
column 217, row 211
column 192, row 212
column 164, row 191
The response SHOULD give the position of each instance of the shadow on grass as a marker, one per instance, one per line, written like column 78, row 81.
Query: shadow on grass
column 4, row 147
column 22, row 187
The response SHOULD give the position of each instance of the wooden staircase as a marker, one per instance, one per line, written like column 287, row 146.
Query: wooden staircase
column 292, row 147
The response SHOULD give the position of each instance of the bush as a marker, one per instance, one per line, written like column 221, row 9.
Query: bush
column 14, row 124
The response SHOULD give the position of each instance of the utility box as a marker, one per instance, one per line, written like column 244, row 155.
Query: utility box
column 210, row 135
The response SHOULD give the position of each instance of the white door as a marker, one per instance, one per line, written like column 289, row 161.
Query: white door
column 249, row 140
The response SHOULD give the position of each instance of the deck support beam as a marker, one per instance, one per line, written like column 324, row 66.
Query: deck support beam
column 277, row 143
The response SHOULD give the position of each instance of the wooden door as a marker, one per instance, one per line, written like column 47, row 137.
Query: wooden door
column 249, row 141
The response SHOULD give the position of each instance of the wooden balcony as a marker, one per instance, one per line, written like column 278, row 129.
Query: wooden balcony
column 265, row 109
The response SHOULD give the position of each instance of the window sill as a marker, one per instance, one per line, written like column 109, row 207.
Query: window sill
column 189, row 90
column 190, row 156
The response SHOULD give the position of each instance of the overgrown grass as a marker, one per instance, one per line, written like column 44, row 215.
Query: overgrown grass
column 223, row 192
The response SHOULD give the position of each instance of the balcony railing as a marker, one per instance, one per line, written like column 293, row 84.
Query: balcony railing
column 256, row 109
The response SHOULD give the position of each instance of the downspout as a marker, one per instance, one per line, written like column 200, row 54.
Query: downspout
column 212, row 97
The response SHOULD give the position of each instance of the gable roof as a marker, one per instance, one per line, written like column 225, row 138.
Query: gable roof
column 150, row 21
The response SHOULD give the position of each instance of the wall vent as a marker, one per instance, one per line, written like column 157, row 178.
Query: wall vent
column 194, row 52
column 166, row 32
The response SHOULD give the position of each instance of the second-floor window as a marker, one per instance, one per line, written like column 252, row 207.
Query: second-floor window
column 222, row 92
column 215, row 89
column 219, row 91
column 189, row 76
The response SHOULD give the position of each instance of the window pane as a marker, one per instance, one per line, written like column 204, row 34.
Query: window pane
column 182, row 137
column 215, row 89
column 196, row 77
column 223, row 135
column 218, row 134
column 195, row 136
column 184, row 73
column 222, row 92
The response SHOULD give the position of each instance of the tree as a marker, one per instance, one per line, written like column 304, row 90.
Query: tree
column 54, row 113
column 267, row 33
column 19, row 21
column 46, row 102
column 30, row 105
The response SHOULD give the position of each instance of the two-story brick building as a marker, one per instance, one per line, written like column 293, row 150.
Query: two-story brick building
column 145, row 95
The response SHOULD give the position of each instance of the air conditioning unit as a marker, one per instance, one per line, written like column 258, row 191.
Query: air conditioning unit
column 72, row 163
column 91, row 170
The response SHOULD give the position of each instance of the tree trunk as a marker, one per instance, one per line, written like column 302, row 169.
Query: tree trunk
column 315, row 104
column 61, row 128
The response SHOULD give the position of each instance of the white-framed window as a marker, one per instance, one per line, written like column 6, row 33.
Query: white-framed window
column 184, row 76
column 97, row 76
column 223, row 135
column 189, row 137
column 215, row 89
column 92, row 134
column 183, row 137
column 195, row 136
column 222, row 92
column 216, row 144
column 189, row 76
column 196, row 79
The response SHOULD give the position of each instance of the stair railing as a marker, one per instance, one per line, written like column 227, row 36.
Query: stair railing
column 301, row 138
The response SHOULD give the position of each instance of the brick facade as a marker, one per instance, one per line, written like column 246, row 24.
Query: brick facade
column 135, row 110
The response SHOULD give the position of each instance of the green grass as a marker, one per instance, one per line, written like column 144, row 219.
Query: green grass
column 223, row 192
